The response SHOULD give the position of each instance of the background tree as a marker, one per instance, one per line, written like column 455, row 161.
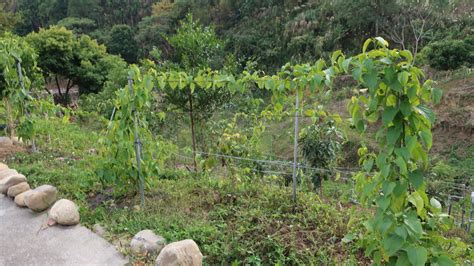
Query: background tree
column 121, row 42
column 450, row 54
column 8, row 19
column 78, row 25
column 79, row 61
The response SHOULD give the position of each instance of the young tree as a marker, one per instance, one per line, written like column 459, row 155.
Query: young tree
column 196, row 48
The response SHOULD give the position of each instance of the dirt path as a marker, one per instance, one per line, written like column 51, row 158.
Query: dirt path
column 21, row 244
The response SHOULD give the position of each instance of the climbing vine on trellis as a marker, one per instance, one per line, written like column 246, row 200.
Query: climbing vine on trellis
column 406, row 226
column 19, row 72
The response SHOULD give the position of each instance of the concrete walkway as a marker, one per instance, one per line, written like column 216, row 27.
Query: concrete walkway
column 21, row 244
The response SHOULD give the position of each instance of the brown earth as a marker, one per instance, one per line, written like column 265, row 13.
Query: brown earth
column 6, row 150
column 455, row 116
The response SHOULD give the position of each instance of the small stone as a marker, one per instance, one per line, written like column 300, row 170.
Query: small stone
column 64, row 212
column 99, row 230
column 18, row 189
column 146, row 242
column 10, row 181
column 185, row 252
column 7, row 172
column 20, row 199
column 3, row 166
column 41, row 198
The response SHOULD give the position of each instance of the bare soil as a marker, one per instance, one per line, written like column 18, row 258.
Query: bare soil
column 7, row 150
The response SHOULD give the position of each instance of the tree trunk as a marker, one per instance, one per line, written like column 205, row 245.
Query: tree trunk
column 11, row 123
column 193, row 135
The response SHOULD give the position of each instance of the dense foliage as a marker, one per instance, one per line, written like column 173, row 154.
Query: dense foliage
column 272, row 32
column 450, row 54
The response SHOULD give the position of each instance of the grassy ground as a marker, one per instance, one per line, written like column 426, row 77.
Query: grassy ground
column 247, row 223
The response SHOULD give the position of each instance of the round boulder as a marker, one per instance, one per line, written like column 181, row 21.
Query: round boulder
column 64, row 212
column 146, row 242
column 20, row 199
column 40, row 198
column 4, row 173
column 18, row 189
column 185, row 252
column 10, row 181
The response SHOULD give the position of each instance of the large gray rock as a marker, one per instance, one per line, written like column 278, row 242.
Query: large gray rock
column 181, row 253
column 18, row 189
column 3, row 166
column 20, row 199
column 10, row 181
column 7, row 172
column 64, row 212
column 41, row 198
column 146, row 242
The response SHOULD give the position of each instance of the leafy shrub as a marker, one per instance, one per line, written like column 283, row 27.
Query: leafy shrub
column 320, row 144
column 450, row 54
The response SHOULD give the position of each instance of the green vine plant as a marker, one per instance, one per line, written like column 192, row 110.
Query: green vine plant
column 407, row 227
column 119, row 165
column 19, row 74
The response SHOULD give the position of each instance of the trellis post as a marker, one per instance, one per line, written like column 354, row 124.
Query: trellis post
column 295, row 146
column 138, row 146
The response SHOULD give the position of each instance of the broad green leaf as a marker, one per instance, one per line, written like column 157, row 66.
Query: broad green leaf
column 407, row 54
column 401, row 232
column 416, row 178
column 403, row 152
column 435, row 204
column 370, row 79
column 388, row 115
column 391, row 79
column 392, row 244
column 442, row 260
column 405, row 107
column 393, row 134
column 414, row 225
column 400, row 188
column 403, row 78
column 417, row 255
column 387, row 187
column 401, row 164
column 383, row 203
column 382, row 41
column 436, row 95
column 415, row 199
column 426, row 112
column 391, row 100
column 427, row 138
column 346, row 63
column 366, row 44
column 402, row 260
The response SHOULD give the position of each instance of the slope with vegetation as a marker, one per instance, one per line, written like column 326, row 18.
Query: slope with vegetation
column 214, row 113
